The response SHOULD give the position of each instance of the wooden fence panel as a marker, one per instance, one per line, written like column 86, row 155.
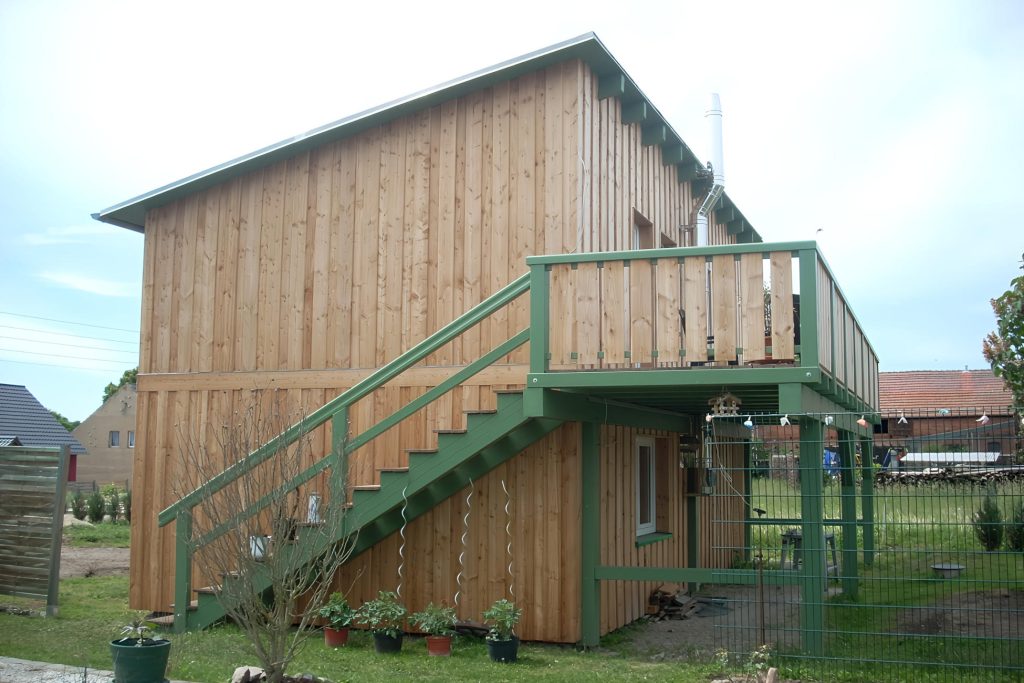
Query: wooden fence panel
column 33, row 483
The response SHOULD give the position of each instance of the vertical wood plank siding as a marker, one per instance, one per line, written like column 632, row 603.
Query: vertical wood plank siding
column 301, row 275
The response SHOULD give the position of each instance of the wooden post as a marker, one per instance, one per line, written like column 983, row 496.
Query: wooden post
column 57, row 530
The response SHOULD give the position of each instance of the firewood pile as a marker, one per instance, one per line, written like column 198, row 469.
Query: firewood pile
column 662, row 605
column 949, row 475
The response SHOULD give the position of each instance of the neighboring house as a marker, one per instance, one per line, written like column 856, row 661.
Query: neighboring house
column 109, row 436
column 26, row 422
column 308, row 265
column 941, row 411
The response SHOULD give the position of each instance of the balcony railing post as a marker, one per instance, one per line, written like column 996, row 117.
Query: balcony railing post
column 540, row 333
column 339, row 454
column 809, row 307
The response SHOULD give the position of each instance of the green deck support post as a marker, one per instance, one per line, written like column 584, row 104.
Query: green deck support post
column 692, row 538
column 812, row 593
column 182, row 568
column 540, row 278
column 867, row 499
column 848, row 507
column 748, row 528
column 590, row 586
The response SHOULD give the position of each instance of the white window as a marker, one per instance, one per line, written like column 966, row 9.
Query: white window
column 115, row 439
column 131, row 439
column 646, row 520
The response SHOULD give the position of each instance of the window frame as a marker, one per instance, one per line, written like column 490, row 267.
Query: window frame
column 114, row 439
column 131, row 438
column 650, row 527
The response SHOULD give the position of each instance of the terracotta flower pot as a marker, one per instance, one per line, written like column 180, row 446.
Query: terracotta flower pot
column 439, row 646
column 335, row 637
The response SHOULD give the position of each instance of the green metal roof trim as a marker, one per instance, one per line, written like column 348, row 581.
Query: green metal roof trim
column 588, row 48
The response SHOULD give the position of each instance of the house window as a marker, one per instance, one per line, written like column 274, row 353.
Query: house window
column 115, row 439
column 646, row 512
column 131, row 439
column 643, row 232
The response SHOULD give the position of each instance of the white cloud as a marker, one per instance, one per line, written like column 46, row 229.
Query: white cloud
column 92, row 285
column 75, row 234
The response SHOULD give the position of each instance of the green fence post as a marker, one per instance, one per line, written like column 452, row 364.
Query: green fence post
column 590, row 587
column 812, row 621
column 867, row 499
column 848, row 507
column 748, row 529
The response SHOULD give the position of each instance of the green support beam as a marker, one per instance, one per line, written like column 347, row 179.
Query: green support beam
column 688, row 575
column 610, row 379
column 809, row 308
column 812, row 586
column 848, row 510
column 672, row 154
column 612, row 85
column 635, row 112
column 654, row 135
column 182, row 568
column 563, row 405
column 867, row 499
column 590, row 547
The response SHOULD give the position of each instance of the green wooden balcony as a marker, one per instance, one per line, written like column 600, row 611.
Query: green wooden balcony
column 660, row 326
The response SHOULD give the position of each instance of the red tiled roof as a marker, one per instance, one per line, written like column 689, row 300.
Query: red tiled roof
column 933, row 389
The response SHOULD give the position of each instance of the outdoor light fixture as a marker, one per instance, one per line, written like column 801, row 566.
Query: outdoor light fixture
column 709, row 417
column 943, row 411
column 862, row 422
column 784, row 420
column 829, row 419
column 984, row 419
column 748, row 423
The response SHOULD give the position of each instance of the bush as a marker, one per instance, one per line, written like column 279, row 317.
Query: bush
column 114, row 505
column 1015, row 529
column 988, row 524
column 126, row 504
column 78, row 505
column 95, row 506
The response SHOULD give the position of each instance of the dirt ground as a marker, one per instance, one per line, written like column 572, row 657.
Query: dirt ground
column 79, row 562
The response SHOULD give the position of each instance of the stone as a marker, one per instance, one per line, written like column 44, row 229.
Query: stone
column 248, row 674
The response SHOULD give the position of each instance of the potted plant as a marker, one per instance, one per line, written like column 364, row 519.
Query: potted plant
column 502, row 642
column 338, row 615
column 138, row 658
column 383, row 616
column 439, row 623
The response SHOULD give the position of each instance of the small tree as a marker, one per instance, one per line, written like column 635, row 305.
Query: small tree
column 1015, row 529
column 275, row 593
column 1004, row 348
column 95, row 506
column 126, row 503
column 988, row 524
column 114, row 504
column 78, row 510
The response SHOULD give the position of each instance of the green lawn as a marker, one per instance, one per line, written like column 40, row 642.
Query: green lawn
column 105, row 535
column 92, row 610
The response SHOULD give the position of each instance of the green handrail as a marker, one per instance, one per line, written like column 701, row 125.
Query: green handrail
column 377, row 379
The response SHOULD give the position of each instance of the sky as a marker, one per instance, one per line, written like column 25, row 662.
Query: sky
column 891, row 132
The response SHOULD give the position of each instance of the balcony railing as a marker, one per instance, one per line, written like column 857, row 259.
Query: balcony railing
column 726, row 306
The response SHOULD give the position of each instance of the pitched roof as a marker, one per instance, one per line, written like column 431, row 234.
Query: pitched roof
column 24, row 417
column 936, row 389
column 587, row 47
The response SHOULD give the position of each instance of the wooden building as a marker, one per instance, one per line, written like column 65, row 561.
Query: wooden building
column 310, row 265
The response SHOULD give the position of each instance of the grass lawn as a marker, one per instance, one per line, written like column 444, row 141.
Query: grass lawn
column 105, row 535
column 93, row 609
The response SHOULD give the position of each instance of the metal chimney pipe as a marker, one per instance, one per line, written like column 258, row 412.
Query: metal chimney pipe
column 713, row 114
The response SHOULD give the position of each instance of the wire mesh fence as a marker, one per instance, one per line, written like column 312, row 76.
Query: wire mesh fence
column 918, row 570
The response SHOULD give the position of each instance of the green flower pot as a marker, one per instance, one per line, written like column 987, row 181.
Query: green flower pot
column 140, row 663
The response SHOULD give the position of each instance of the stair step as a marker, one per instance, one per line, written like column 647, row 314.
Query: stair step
column 480, row 412
column 421, row 451
column 367, row 487
column 208, row 590
column 164, row 621
column 450, row 431
column 393, row 470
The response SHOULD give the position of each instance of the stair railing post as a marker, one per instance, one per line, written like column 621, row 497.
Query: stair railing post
column 339, row 447
column 182, row 568
column 539, row 318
